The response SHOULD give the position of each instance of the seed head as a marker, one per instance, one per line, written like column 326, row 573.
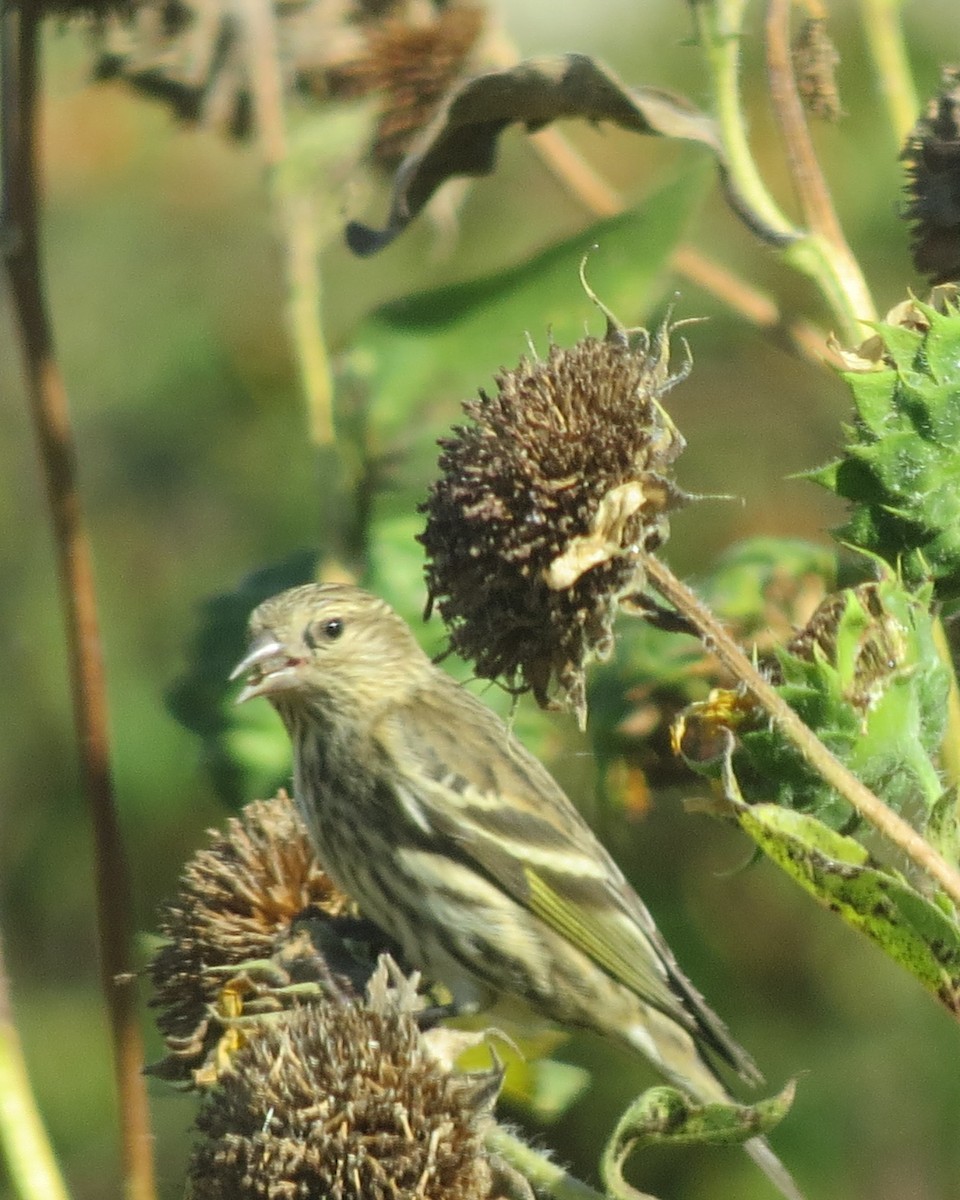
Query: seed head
column 344, row 1101
column 255, row 895
column 932, row 154
column 545, row 502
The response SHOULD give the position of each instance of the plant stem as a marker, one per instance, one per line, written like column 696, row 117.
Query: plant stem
column 884, row 35
column 719, row 29
column 716, row 639
column 544, row 1175
column 295, row 214
column 51, row 419
column 813, row 194
column 23, row 1139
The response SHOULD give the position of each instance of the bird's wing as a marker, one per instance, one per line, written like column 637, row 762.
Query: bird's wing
column 491, row 802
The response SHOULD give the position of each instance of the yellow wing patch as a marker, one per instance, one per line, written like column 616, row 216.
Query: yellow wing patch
column 628, row 960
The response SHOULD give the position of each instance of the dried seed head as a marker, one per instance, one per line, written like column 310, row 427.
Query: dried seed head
column 815, row 62
column 194, row 54
column 535, row 528
column 932, row 154
column 344, row 1101
column 256, row 895
column 412, row 64
column 871, row 660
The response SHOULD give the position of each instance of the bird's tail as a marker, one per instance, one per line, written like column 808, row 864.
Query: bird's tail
column 673, row 1051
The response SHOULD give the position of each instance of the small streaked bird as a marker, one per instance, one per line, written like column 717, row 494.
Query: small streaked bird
column 455, row 840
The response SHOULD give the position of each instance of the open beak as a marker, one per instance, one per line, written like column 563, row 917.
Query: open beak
column 269, row 668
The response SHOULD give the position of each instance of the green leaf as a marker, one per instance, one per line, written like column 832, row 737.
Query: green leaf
column 664, row 1116
column 900, row 469
column 245, row 749
column 417, row 359
column 865, row 676
column 837, row 871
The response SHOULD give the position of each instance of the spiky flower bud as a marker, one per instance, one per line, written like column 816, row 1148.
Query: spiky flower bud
column 346, row 1102
column 901, row 466
column 932, row 154
column 545, row 503
column 256, row 895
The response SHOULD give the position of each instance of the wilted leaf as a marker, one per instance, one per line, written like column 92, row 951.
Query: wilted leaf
column 838, row 872
column 462, row 139
column 664, row 1116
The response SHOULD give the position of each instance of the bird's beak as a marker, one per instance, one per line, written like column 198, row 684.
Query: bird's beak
column 270, row 668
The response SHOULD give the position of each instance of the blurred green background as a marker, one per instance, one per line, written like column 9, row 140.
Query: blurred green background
column 167, row 298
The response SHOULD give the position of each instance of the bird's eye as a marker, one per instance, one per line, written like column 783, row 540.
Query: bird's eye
column 323, row 631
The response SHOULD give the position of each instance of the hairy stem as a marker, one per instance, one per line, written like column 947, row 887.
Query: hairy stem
column 546, row 1176
column 870, row 807
column 51, row 420
column 816, row 203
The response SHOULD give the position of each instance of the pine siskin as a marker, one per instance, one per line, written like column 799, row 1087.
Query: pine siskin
column 454, row 839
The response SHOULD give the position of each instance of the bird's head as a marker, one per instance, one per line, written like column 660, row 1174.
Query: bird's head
column 330, row 644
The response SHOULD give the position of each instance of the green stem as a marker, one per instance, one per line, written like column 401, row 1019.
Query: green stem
column 719, row 28
column 546, row 1176
column 23, row 1139
column 884, row 35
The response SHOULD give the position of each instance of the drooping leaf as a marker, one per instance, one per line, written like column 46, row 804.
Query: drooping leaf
column 664, row 1116
column 838, row 872
column 462, row 139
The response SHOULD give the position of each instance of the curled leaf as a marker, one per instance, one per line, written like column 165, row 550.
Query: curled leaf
column 839, row 873
column 462, row 138
column 662, row 1116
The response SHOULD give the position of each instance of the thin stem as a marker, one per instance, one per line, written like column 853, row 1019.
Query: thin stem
column 793, row 335
column 51, row 419
column 23, row 1139
column 719, row 27
column 871, row 807
column 816, row 203
column 885, row 41
column 546, row 1176
column 813, row 194
column 296, row 217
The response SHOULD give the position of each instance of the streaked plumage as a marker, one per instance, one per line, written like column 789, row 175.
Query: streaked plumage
column 450, row 835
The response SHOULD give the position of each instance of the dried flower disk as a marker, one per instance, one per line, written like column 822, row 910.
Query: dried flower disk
column 239, row 903
column 345, row 1102
column 535, row 529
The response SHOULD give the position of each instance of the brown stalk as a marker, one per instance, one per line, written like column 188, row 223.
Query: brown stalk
column 813, row 194
column 716, row 639
column 51, row 419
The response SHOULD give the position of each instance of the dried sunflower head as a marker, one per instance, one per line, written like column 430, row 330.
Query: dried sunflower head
column 411, row 59
column 547, row 500
column 932, row 154
column 254, row 905
column 344, row 1100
